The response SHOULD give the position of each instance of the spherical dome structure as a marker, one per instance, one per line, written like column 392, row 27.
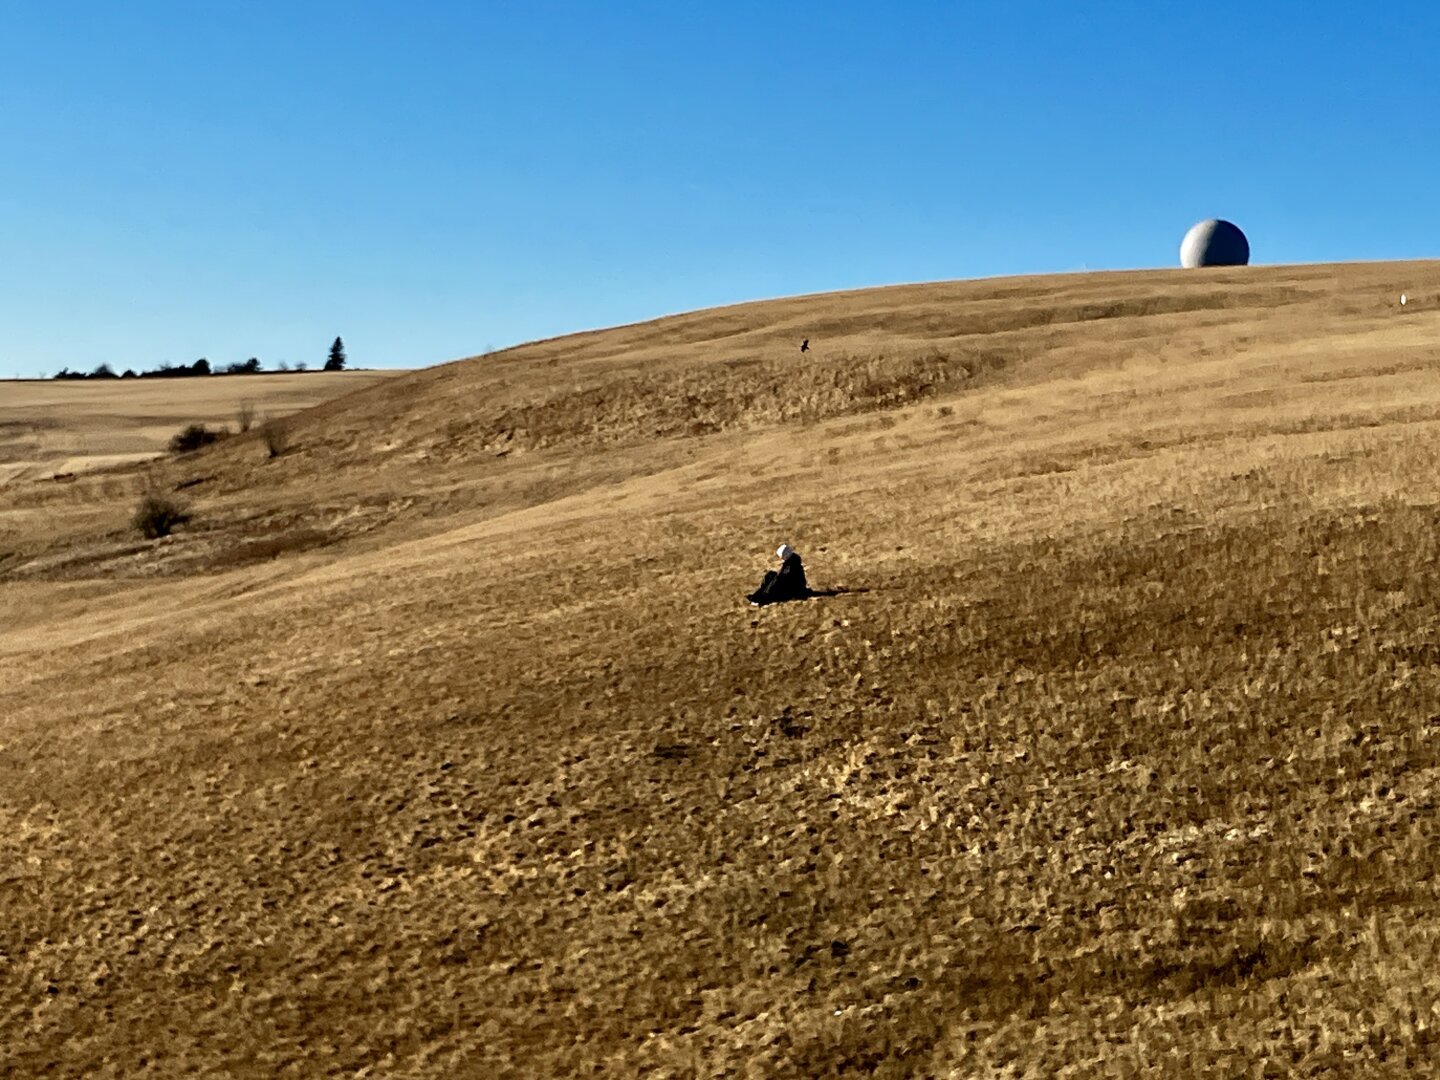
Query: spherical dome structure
column 1214, row 243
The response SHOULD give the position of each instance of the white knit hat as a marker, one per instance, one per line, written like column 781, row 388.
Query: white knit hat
column 784, row 551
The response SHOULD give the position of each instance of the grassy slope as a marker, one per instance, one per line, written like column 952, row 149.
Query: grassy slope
column 62, row 426
column 441, row 744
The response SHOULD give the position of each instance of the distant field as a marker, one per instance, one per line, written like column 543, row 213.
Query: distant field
column 61, row 426
column 444, row 744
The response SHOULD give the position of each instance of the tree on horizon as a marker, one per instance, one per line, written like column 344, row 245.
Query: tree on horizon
column 336, row 361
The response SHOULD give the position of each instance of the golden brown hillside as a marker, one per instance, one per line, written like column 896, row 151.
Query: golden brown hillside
column 49, row 427
column 442, row 743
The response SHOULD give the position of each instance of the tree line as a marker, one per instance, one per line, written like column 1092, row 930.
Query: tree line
column 335, row 361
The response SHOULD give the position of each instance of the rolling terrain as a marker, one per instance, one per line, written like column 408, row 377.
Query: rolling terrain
column 442, row 743
column 72, row 426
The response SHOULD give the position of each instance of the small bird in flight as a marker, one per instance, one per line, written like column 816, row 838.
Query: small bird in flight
column 805, row 345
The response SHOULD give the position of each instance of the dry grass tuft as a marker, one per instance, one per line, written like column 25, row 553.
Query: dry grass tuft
column 194, row 437
column 158, row 515
column 276, row 437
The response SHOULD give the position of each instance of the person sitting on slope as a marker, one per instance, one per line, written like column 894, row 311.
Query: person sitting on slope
column 787, row 583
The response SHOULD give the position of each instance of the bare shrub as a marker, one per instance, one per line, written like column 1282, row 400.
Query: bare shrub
column 158, row 516
column 193, row 437
column 245, row 416
column 277, row 437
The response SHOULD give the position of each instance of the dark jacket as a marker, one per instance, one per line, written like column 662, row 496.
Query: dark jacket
column 787, row 583
column 790, row 581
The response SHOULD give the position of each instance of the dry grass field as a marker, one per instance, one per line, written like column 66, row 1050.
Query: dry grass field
column 443, row 744
column 61, row 426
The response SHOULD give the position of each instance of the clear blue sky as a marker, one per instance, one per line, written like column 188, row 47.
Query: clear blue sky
column 228, row 179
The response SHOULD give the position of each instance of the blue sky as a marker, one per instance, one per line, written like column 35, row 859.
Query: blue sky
column 428, row 180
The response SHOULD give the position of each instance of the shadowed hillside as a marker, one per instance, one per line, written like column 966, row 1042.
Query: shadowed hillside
column 440, row 742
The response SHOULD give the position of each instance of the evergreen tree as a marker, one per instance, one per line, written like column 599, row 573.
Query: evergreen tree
column 336, row 362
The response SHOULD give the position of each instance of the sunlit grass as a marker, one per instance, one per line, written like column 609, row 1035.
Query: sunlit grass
column 1119, row 756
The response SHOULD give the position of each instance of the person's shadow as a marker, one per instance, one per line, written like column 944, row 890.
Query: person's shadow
column 810, row 594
